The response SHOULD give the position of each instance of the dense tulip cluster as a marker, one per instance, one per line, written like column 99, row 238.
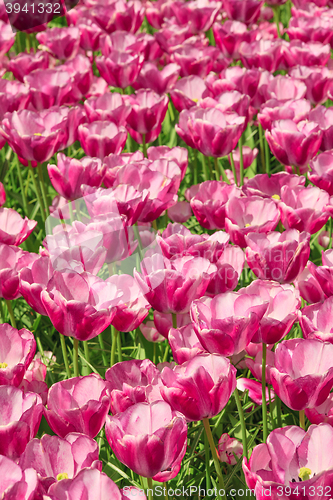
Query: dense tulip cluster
column 166, row 261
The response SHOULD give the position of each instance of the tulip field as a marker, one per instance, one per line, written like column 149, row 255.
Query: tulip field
column 166, row 257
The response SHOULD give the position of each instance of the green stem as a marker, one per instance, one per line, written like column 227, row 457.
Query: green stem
column 267, row 157
column 215, row 457
column 263, row 386
column 216, row 168
column 27, row 42
column 205, row 168
column 2, row 314
column 38, row 193
column 207, row 463
column 330, row 243
column 144, row 145
column 150, row 488
column 302, row 419
column 242, row 422
column 166, row 496
column 174, row 320
column 195, row 168
column 138, row 237
column 76, row 357
column 233, row 168
column 114, row 335
column 262, row 150
column 11, row 313
column 278, row 411
column 120, row 355
column 24, row 197
column 276, row 10
column 240, row 145
column 86, row 369
column 101, row 344
column 166, row 352
column 64, row 354
column 43, row 190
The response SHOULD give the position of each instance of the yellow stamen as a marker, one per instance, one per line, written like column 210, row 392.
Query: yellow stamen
column 304, row 473
column 276, row 197
column 247, row 225
column 3, row 365
column 37, row 133
column 62, row 475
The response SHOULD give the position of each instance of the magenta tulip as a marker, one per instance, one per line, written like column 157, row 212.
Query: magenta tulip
column 184, row 343
column 13, row 229
column 270, row 186
column 322, row 413
column 316, row 321
column 226, row 323
column 255, row 365
column 15, row 483
column 201, row 387
column 17, row 348
column 109, row 106
column 274, row 110
column 246, row 11
column 298, row 384
column 120, row 69
column 78, row 404
column 150, row 439
column 228, row 447
column 23, row 63
column 13, row 259
column 102, row 138
column 159, row 81
column 323, row 117
column 187, row 91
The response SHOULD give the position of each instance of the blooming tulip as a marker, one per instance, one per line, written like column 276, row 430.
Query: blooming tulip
column 78, row 404
column 100, row 138
column 298, row 384
column 150, row 439
column 13, row 229
column 16, row 483
column 316, row 321
column 109, row 106
column 322, row 413
column 17, row 348
column 227, row 448
column 184, row 343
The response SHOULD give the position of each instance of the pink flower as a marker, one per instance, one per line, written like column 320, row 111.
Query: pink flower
column 120, row 16
column 227, row 448
column 303, row 208
column 13, row 259
column 201, row 387
column 246, row 12
column 13, row 229
column 298, row 451
column 33, row 280
column 147, row 114
column 198, row 15
column 101, row 138
column 159, row 81
column 150, row 439
column 63, row 43
column 266, row 54
column 20, row 416
column 270, row 186
column 226, row 323
column 294, row 144
column 323, row 117
column 55, row 458
column 17, row 349
column 285, row 88
column 15, row 483
column 274, row 110
column 229, row 35
column 250, row 214
column 309, row 287
column 195, row 60
column 69, row 174
column 298, row 384
column 255, row 365
column 108, row 106
column 316, row 321
column 180, row 212
column 322, row 413
column 317, row 80
column 209, row 203
column 278, row 256
column 120, row 69
column 307, row 54
column 89, row 484
column 281, row 313
column 254, row 389
column 131, row 382
column 321, row 174
column 23, row 63
column 187, row 91
column 184, row 343
column 78, row 405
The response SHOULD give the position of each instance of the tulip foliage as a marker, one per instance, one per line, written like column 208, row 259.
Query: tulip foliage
column 166, row 259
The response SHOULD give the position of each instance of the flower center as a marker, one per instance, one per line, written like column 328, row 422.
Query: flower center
column 247, row 225
column 37, row 133
column 62, row 475
column 276, row 197
column 3, row 365
column 304, row 473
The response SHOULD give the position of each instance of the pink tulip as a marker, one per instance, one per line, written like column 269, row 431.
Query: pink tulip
column 35, row 135
column 313, row 29
column 55, row 458
column 246, row 12
column 301, row 473
column 187, row 91
column 322, row 275
column 159, row 81
column 250, row 214
column 20, row 418
column 198, row 15
column 281, row 313
column 101, row 138
column 265, row 54
column 209, row 130
column 195, row 60
column 171, row 285
column 109, row 106
column 213, row 378
column 322, row 413
column 274, row 110
column 120, row 69
column 150, row 332
column 147, row 114
column 33, row 280
column 321, row 174
column 228, row 102
column 120, row 16
column 13, row 229
column 323, row 117
column 270, row 186
column 63, row 43
column 254, row 389
column 294, row 144
column 213, row 325
column 309, row 287
column 82, row 75
column 177, row 154
column 150, row 439
column 285, row 88
column 157, row 11
column 180, row 212
column 122, row 41
column 317, row 80
column 184, row 343
column 303, row 208
column 15, row 483
column 17, row 347
column 228, row 447
column 163, row 322
column 278, row 256
column 2, row 195
column 80, row 305
column 69, row 174
column 229, row 35
column 23, row 63
column 78, row 404
column 316, row 321
column 131, row 382
column 307, row 54
column 209, row 203
column 298, row 384
column 49, row 87
column 90, row 34
column 255, row 365
column 13, row 259
column 89, row 484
